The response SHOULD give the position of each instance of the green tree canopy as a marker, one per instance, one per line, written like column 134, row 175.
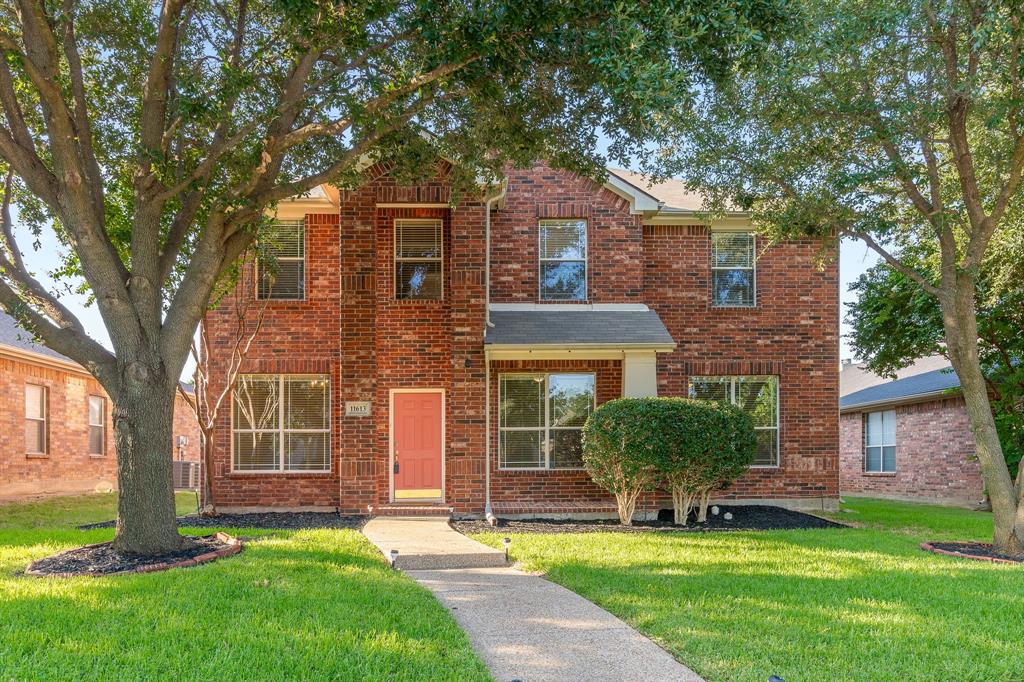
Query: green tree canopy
column 896, row 122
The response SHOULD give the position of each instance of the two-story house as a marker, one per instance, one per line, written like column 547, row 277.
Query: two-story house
column 420, row 357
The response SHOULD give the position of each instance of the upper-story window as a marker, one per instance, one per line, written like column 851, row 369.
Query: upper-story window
column 37, row 409
column 733, row 274
column 419, row 260
column 880, row 442
column 281, row 271
column 563, row 260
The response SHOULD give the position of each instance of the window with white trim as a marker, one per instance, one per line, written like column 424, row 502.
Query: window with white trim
column 419, row 260
column 97, row 424
column 281, row 422
column 541, row 419
column 733, row 269
column 758, row 396
column 880, row 442
column 563, row 260
column 37, row 408
column 281, row 269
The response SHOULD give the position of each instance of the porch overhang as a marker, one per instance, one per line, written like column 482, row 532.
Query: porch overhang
column 631, row 333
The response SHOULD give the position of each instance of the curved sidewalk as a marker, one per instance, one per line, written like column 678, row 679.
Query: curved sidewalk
column 525, row 627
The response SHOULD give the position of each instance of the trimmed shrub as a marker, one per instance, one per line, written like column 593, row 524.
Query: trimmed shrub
column 691, row 447
column 620, row 451
column 705, row 446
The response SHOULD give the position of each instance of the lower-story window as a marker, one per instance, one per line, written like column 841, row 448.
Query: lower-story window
column 880, row 442
column 540, row 420
column 758, row 396
column 281, row 422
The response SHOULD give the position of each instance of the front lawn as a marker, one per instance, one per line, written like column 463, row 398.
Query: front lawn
column 309, row 605
column 841, row 604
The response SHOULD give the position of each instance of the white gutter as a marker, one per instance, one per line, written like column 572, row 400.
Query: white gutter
column 487, row 263
column 488, row 510
column 950, row 392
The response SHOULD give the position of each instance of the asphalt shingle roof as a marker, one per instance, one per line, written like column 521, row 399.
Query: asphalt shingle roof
column 902, row 389
column 568, row 327
column 13, row 335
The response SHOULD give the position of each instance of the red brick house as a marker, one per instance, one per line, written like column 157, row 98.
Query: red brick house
column 418, row 356
column 56, row 435
column 908, row 438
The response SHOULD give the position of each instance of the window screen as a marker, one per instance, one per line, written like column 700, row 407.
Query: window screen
column 880, row 442
column 732, row 269
column 97, row 424
column 419, row 255
column 541, row 420
column 563, row 260
column 281, row 423
column 36, row 414
column 758, row 396
column 281, row 268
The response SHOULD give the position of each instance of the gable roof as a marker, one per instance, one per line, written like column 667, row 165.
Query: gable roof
column 672, row 193
column 13, row 336
column 927, row 385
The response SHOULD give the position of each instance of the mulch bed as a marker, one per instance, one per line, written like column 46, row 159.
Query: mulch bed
column 264, row 520
column 744, row 517
column 102, row 559
column 982, row 551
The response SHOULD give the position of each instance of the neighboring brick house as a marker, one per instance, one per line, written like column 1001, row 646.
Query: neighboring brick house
column 56, row 435
column 420, row 357
column 909, row 438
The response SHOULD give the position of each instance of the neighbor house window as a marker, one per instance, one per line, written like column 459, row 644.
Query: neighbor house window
column 281, row 422
column 758, row 396
column 419, row 255
column 97, row 424
column 541, row 419
column 880, row 442
column 563, row 260
column 281, row 268
column 733, row 276
column 37, row 408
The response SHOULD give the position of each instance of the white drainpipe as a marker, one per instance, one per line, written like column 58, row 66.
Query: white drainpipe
column 488, row 511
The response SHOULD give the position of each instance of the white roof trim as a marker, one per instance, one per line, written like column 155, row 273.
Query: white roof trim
column 872, row 405
column 579, row 351
column 560, row 307
column 24, row 355
column 639, row 200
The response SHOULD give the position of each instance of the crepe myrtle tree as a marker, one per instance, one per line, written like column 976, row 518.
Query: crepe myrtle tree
column 895, row 122
column 151, row 137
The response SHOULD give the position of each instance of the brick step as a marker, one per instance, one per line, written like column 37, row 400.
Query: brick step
column 411, row 509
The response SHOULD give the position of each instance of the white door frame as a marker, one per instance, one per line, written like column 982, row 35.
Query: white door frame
column 391, row 438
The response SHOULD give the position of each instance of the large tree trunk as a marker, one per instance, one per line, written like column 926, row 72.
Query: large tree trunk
column 143, row 426
column 961, row 327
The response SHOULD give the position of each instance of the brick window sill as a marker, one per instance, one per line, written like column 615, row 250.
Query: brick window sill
column 37, row 455
column 281, row 474
column 95, row 456
column 880, row 474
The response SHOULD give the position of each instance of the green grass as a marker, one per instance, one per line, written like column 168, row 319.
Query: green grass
column 306, row 605
column 74, row 510
column 842, row 604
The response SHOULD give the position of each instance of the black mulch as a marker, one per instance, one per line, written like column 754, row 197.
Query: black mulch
column 744, row 517
column 976, row 549
column 266, row 520
column 103, row 559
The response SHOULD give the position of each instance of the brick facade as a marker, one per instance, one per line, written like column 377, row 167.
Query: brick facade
column 935, row 456
column 351, row 327
column 66, row 467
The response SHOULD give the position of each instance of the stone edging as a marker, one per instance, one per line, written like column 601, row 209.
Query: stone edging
column 929, row 547
column 234, row 546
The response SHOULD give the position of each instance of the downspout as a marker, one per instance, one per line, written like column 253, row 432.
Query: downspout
column 488, row 510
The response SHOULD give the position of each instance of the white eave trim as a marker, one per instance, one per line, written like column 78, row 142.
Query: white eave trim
column 903, row 400
column 32, row 357
column 577, row 351
column 639, row 200
column 562, row 307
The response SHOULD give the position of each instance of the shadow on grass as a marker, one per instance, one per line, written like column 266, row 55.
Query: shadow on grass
column 805, row 605
column 301, row 605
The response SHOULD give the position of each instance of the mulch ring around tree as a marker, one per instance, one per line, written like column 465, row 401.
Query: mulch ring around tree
column 982, row 551
column 263, row 520
column 102, row 559
column 744, row 517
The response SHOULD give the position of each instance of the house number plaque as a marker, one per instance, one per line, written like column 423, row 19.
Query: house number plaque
column 357, row 408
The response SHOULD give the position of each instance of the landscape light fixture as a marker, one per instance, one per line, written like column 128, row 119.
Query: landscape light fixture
column 394, row 558
column 506, row 542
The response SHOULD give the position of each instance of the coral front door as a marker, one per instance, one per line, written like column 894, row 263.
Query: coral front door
column 417, row 437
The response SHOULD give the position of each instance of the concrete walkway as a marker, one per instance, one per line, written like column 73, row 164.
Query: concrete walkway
column 428, row 542
column 524, row 627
